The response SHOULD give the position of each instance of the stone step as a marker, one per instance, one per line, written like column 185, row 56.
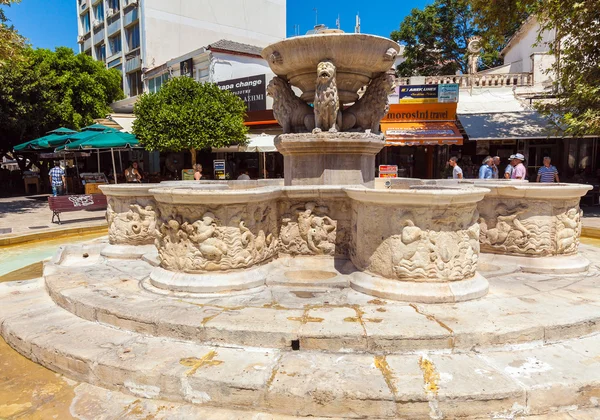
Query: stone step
column 526, row 380
column 520, row 308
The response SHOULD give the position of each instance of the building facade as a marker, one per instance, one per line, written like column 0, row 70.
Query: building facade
column 136, row 35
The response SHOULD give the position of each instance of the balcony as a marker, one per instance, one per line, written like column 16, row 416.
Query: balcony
column 99, row 36
column 127, row 3
column 83, row 6
column 133, row 61
column 114, row 26
column 130, row 17
column 481, row 80
column 87, row 44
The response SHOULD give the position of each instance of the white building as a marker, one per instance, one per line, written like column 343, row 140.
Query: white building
column 136, row 35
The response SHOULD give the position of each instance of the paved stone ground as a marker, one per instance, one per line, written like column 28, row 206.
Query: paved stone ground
column 30, row 214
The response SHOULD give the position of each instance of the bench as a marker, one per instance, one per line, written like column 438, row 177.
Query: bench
column 65, row 203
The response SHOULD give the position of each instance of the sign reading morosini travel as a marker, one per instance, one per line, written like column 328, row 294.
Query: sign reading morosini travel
column 420, row 112
column 252, row 90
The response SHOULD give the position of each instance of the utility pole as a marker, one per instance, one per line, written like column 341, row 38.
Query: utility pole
column 357, row 27
column 316, row 16
column 337, row 21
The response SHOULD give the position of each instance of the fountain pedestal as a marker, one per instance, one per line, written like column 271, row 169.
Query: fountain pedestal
column 329, row 158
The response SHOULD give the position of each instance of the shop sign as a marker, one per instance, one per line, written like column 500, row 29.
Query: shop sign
column 187, row 174
column 252, row 90
column 219, row 169
column 420, row 112
column 448, row 93
column 388, row 171
column 420, row 94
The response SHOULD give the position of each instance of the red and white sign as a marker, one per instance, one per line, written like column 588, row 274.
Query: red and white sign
column 388, row 171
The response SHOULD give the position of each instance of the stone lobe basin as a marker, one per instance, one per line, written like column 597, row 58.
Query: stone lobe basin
column 357, row 57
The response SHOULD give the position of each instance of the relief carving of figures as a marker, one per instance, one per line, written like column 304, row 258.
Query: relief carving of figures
column 292, row 113
column 507, row 229
column 308, row 230
column 328, row 114
column 212, row 244
column 368, row 111
column 568, row 231
column 134, row 227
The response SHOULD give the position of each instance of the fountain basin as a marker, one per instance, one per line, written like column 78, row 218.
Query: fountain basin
column 357, row 57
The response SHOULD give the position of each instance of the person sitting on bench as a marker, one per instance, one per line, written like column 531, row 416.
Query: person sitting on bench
column 57, row 179
column 132, row 174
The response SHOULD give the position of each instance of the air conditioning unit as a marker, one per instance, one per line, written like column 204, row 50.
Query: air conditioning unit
column 80, row 39
column 97, row 23
column 110, row 12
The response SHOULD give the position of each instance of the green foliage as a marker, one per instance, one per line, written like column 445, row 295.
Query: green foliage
column 185, row 115
column 574, row 105
column 44, row 90
column 11, row 43
column 436, row 39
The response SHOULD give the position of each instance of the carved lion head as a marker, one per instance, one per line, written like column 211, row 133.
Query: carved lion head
column 277, row 85
column 325, row 71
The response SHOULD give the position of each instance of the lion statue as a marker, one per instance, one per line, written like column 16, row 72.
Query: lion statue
column 292, row 113
column 328, row 115
column 367, row 112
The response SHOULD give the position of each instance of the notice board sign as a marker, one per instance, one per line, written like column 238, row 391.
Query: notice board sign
column 219, row 169
column 448, row 93
column 428, row 94
column 388, row 171
column 187, row 174
column 252, row 90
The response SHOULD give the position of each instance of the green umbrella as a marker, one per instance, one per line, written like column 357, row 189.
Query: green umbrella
column 51, row 139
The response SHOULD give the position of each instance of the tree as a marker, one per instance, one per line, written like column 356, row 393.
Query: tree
column 575, row 106
column 43, row 90
column 187, row 115
column 11, row 43
column 436, row 40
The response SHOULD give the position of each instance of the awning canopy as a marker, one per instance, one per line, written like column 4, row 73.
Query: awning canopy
column 420, row 133
column 506, row 125
column 51, row 139
column 262, row 143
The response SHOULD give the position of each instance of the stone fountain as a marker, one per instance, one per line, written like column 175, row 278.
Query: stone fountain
column 328, row 293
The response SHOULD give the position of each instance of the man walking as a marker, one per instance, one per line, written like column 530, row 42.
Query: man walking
column 496, row 167
column 519, row 170
column 57, row 179
column 509, row 167
column 485, row 171
column 457, row 173
column 548, row 172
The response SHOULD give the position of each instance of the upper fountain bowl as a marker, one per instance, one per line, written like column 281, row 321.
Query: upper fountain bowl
column 357, row 58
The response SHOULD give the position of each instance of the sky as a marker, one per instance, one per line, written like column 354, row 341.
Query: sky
column 52, row 23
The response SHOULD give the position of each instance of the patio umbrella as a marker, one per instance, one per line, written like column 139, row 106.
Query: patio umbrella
column 105, row 140
column 51, row 139
column 85, row 134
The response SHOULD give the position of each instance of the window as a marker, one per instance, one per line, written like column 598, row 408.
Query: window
column 101, row 52
column 133, row 37
column 113, row 4
column 85, row 22
column 135, row 83
column 115, row 44
column 99, row 12
column 156, row 83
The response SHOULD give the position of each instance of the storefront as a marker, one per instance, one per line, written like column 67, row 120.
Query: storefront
column 417, row 136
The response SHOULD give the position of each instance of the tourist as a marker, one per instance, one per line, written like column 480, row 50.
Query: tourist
column 197, row 172
column 485, row 171
column 457, row 173
column 519, row 170
column 57, row 179
column 548, row 172
column 244, row 175
column 509, row 167
column 496, row 167
column 132, row 173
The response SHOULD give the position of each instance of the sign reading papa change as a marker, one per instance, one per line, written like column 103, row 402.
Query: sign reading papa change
column 252, row 90
column 424, row 94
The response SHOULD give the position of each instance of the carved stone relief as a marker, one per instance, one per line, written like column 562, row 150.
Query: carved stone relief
column 416, row 243
column 131, row 221
column 307, row 229
column 568, row 228
column 199, row 238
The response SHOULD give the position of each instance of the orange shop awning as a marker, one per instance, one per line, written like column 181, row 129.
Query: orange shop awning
column 421, row 133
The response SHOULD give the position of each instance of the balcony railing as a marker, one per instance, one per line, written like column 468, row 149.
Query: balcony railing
column 99, row 36
column 483, row 80
column 130, row 17
column 114, row 26
column 133, row 61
